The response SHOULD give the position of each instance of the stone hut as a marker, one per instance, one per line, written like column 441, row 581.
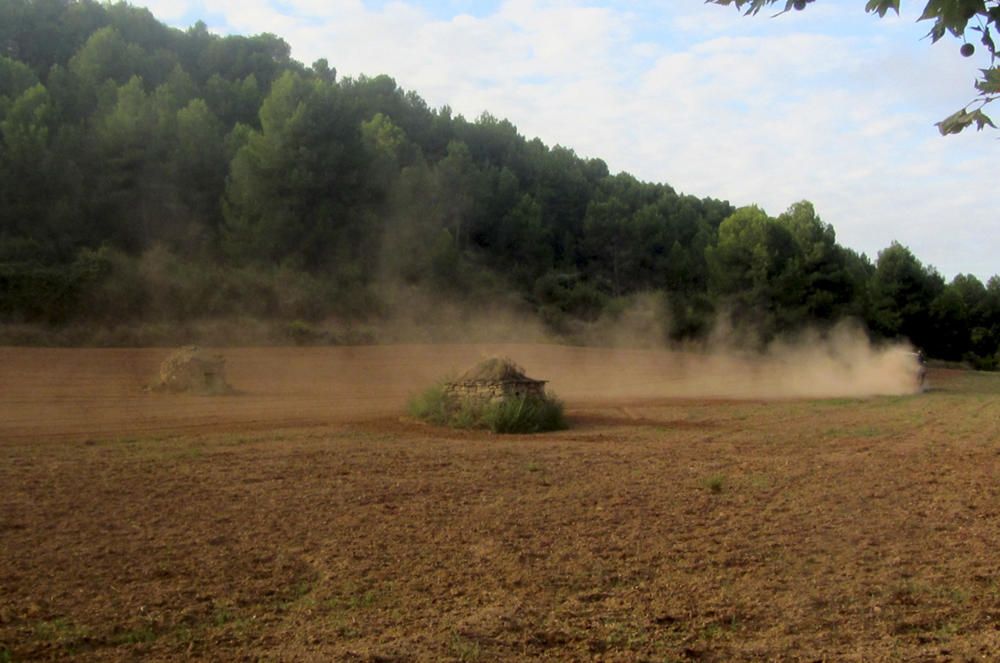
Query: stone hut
column 494, row 379
column 193, row 370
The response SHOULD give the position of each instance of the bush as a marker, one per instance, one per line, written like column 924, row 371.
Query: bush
column 45, row 292
column 528, row 414
column 432, row 405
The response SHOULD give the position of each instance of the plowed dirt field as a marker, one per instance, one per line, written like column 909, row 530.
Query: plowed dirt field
column 696, row 509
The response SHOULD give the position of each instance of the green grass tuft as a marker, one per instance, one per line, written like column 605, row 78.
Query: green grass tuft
column 528, row 414
column 715, row 483
column 465, row 649
column 135, row 636
column 431, row 405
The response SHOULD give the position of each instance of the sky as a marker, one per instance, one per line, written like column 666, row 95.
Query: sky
column 830, row 104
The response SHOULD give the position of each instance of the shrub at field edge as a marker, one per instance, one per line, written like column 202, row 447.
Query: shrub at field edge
column 526, row 414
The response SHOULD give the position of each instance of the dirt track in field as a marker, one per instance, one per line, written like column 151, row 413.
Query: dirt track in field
column 305, row 519
column 70, row 393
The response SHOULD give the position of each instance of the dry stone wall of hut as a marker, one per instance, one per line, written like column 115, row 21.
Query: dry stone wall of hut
column 495, row 391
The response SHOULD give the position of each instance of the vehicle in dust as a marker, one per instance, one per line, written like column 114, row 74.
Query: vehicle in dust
column 920, row 369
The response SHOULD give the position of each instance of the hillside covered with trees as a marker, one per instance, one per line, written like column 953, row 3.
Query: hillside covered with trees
column 149, row 174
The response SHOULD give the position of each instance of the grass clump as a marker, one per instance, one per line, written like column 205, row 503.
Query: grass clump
column 519, row 414
column 431, row 405
column 134, row 637
column 526, row 414
column 465, row 649
column 715, row 483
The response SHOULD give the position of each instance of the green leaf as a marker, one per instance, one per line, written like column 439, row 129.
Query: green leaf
column 961, row 120
column 990, row 83
column 931, row 10
column 752, row 6
column 982, row 119
column 954, row 123
column 936, row 32
column 882, row 6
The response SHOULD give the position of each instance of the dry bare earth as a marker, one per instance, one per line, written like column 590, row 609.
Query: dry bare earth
column 305, row 520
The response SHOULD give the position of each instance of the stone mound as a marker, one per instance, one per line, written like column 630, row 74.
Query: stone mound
column 193, row 370
column 495, row 369
column 494, row 379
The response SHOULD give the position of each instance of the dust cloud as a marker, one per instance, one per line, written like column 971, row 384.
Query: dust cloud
column 624, row 355
column 417, row 316
column 830, row 369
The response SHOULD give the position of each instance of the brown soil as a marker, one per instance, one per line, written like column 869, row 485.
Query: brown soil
column 304, row 519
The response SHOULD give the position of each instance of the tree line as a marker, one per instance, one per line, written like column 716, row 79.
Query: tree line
column 155, row 174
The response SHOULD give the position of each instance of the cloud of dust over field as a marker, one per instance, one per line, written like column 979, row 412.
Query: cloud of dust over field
column 840, row 363
column 625, row 353
column 631, row 362
column 417, row 316
column 843, row 362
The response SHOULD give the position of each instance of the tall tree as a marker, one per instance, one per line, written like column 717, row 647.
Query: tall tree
column 25, row 163
column 826, row 288
column 902, row 291
column 755, row 271
column 293, row 185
